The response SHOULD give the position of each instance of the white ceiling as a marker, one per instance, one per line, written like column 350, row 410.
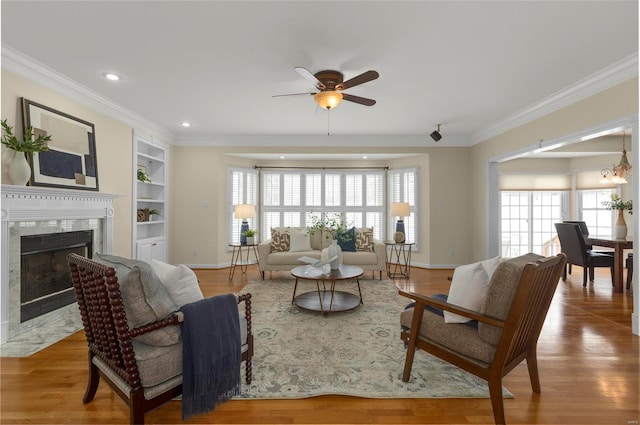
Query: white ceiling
column 466, row 64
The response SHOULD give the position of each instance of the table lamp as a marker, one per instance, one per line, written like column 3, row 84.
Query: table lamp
column 400, row 210
column 244, row 212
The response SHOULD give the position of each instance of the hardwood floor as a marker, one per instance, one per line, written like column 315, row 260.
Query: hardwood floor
column 587, row 356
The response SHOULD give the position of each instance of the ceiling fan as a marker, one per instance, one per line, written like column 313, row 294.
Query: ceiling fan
column 331, row 84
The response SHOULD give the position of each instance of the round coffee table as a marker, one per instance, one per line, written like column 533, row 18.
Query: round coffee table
column 327, row 300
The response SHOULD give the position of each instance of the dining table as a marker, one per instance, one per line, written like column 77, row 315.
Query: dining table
column 618, row 245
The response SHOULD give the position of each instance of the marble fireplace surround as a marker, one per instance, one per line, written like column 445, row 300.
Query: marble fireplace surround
column 28, row 210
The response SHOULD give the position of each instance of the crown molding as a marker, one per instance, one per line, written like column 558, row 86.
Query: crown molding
column 608, row 77
column 27, row 67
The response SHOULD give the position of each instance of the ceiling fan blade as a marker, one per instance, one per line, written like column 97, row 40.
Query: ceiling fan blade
column 307, row 75
column 293, row 94
column 365, row 77
column 358, row 99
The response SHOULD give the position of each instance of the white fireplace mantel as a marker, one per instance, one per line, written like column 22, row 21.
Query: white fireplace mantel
column 28, row 203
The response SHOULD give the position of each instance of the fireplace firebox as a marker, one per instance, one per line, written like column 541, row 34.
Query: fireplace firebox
column 45, row 283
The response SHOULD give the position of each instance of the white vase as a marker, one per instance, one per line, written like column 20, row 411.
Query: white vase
column 19, row 169
column 335, row 250
column 621, row 226
column 251, row 240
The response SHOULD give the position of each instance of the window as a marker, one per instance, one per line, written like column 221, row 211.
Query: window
column 599, row 219
column 292, row 197
column 243, row 189
column 527, row 221
column 402, row 186
column 356, row 196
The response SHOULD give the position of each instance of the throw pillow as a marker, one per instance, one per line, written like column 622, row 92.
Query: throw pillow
column 145, row 298
column 491, row 265
column 279, row 239
column 364, row 239
column 162, row 269
column 299, row 239
column 180, row 281
column 468, row 290
column 348, row 241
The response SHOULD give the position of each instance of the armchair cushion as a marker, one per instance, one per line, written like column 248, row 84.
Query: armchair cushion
column 145, row 298
column 458, row 337
column 502, row 287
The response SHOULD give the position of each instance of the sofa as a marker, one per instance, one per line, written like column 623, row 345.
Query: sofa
column 287, row 244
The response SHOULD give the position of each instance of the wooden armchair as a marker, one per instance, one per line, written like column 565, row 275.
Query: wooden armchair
column 144, row 375
column 509, row 324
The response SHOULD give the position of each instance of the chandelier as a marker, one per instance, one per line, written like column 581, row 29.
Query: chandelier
column 617, row 173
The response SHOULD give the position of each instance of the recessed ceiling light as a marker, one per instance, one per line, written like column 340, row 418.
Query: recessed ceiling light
column 185, row 124
column 365, row 157
column 111, row 76
column 282, row 157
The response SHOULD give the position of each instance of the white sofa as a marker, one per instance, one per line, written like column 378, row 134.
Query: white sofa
column 369, row 255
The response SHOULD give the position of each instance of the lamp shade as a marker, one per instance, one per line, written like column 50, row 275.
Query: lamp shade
column 328, row 99
column 400, row 209
column 245, row 211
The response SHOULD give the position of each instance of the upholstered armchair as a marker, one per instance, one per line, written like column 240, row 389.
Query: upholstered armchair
column 498, row 337
column 133, row 331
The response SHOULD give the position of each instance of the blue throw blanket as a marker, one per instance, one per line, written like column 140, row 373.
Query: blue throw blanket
column 211, row 354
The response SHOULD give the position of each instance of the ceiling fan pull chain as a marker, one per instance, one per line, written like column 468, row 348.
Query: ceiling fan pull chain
column 328, row 121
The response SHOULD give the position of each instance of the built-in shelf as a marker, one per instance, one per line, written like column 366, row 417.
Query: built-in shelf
column 149, row 237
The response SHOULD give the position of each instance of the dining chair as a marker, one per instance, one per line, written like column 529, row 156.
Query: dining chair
column 572, row 244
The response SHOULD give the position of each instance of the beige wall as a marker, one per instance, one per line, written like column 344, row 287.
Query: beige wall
column 615, row 103
column 200, row 174
column 113, row 146
column 452, row 180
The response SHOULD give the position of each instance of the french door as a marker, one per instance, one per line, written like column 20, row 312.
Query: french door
column 527, row 221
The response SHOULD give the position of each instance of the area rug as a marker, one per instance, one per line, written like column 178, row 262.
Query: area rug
column 301, row 354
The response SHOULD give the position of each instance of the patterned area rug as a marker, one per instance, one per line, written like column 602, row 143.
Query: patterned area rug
column 301, row 354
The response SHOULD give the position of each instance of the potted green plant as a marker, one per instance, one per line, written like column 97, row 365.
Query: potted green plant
column 143, row 177
column 19, row 169
column 153, row 212
column 338, row 229
column 250, row 235
column 616, row 203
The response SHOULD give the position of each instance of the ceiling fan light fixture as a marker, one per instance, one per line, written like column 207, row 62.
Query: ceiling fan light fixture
column 328, row 99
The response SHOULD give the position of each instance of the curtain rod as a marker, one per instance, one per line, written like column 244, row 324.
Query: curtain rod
column 319, row 168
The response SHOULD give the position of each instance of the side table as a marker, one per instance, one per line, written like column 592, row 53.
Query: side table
column 398, row 258
column 237, row 258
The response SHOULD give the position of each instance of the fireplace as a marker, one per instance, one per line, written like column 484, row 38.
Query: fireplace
column 40, row 226
column 45, row 283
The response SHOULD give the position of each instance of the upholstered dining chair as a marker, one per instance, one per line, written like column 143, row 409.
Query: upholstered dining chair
column 144, row 373
column 506, row 332
column 573, row 245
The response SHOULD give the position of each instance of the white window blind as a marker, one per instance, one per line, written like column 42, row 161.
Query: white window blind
column 356, row 196
column 591, row 180
column 402, row 186
column 242, row 189
column 528, row 182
